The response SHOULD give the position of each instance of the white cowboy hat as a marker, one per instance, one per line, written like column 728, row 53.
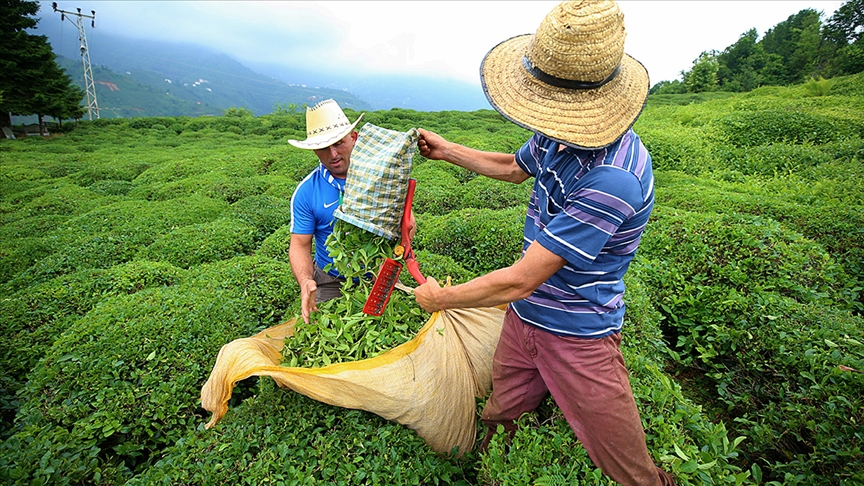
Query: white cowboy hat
column 326, row 124
column 570, row 81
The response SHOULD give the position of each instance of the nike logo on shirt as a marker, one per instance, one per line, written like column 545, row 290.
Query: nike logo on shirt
column 328, row 205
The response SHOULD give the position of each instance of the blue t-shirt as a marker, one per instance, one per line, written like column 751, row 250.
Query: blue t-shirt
column 590, row 207
column 312, row 206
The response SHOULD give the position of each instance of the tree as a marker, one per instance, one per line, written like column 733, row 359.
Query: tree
column 796, row 41
column 739, row 65
column 847, row 23
column 668, row 87
column 844, row 32
column 33, row 83
column 703, row 76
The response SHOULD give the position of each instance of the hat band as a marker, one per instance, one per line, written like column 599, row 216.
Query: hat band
column 565, row 83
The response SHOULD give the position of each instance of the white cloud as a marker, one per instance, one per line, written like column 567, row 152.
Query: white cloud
column 436, row 38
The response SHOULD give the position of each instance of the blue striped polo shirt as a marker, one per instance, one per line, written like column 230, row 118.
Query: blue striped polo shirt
column 312, row 206
column 590, row 207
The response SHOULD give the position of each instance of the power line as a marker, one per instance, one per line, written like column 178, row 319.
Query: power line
column 89, row 85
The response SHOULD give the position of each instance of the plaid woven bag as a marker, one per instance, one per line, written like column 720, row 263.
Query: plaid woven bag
column 377, row 180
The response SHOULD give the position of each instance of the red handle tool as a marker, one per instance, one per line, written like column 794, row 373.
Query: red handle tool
column 387, row 277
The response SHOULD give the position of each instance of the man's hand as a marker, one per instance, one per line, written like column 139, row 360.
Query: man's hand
column 431, row 145
column 412, row 225
column 425, row 295
column 307, row 298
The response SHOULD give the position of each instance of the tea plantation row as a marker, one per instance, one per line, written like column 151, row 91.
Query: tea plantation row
column 132, row 250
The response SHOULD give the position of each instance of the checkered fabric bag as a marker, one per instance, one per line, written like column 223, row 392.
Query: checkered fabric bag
column 377, row 180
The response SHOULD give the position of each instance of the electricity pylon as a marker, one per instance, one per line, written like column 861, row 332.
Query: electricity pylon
column 90, row 86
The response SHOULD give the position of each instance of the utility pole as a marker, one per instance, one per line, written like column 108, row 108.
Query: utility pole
column 90, row 86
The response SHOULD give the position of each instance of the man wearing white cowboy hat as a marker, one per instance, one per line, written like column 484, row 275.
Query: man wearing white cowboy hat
column 331, row 136
column 572, row 85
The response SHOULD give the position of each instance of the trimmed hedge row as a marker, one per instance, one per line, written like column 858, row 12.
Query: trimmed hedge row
column 753, row 309
column 123, row 381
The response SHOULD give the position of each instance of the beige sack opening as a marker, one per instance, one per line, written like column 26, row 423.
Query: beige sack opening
column 428, row 384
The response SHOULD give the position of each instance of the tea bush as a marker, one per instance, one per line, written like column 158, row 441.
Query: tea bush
column 123, row 382
column 265, row 213
column 440, row 191
column 750, row 129
column 111, row 187
column 441, row 267
column 60, row 197
column 484, row 192
column 96, row 251
column 114, row 234
column 19, row 254
column 823, row 209
column 744, row 302
column 276, row 245
column 110, row 169
column 35, row 316
column 202, row 243
column 481, row 240
column 280, row 437
column 740, row 294
column 30, row 226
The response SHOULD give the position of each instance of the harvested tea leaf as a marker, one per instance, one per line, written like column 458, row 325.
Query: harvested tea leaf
column 340, row 331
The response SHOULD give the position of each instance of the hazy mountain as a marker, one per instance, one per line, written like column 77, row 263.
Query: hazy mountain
column 186, row 73
column 124, row 95
column 390, row 91
column 184, row 79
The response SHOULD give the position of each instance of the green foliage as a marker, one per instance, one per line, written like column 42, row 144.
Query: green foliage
column 484, row 192
column 481, row 240
column 752, row 307
column 703, row 76
column 265, row 213
column 202, row 243
column 36, row 316
column 819, row 87
column 114, row 234
column 750, row 129
column 441, row 190
column 33, row 83
column 793, row 51
column 279, row 437
column 237, row 112
column 340, row 331
column 743, row 305
column 276, row 245
column 123, row 382
column 442, row 267
column 19, row 254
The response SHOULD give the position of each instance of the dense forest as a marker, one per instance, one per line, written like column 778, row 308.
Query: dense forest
column 796, row 50
column 132, row 250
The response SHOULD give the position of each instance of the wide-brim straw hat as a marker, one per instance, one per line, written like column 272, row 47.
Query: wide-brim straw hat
column 326, row 124
column 571, row 80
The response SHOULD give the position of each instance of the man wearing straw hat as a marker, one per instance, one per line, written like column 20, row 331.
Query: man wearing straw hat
column 331, row 136
column 572, row 85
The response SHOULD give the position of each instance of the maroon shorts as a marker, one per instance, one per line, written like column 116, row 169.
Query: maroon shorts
column 590, row 384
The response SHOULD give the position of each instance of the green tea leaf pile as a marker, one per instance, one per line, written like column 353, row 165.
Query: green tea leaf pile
column 340, row 331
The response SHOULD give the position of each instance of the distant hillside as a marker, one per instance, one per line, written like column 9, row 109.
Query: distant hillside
column 124, row 96
column 176, row 79
column 386, row 91
column 201, row 75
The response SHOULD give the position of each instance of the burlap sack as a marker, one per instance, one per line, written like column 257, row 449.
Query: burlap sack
column 428, row 384
column 377, row 180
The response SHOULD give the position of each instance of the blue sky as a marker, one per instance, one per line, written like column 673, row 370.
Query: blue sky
column 437, row 39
